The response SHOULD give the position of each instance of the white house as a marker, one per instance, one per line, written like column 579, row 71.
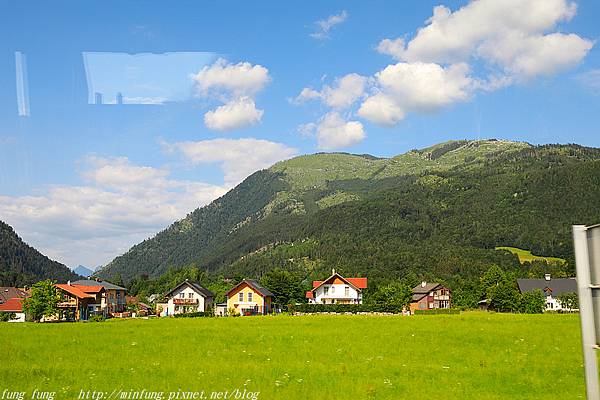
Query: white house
column 552, row 289
column 14, row 306
column 337, row 290
column 188, row 297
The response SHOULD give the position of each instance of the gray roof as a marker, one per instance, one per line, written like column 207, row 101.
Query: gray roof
column 196, row 286
column 254, row 284
column 425, row 289
column 259, row 288
column 104, row 284
column 557, row 286
column 7, row 292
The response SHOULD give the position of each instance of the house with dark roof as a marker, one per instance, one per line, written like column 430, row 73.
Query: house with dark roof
column 14, row 306
column 552, row 289
column 8, row 292
column 188, row 297
column 249, row 298
column 337, row 289
column 114, row 297
column 430, row 296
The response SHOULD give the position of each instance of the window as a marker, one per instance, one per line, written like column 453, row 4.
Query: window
column 181, row 295
column 240, row 296
column 191, row 295
column 333, row 289
column 250, row 296
column 347, row 291
column 326, row 290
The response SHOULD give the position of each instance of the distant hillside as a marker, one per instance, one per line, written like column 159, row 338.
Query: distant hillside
column 438, row 212
column 21, row 264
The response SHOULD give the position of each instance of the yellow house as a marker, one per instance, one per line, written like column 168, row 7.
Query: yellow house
column 249, row 298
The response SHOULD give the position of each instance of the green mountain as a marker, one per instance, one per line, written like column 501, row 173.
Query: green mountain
column 21, row 264
column 438, row 212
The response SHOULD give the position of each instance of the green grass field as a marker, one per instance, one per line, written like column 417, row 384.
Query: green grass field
column 468, row 356
column 527, row 256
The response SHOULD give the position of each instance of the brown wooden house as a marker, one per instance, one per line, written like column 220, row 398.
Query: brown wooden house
column 429, row 296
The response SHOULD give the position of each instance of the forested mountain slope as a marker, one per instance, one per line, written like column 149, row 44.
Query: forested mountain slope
column 436, row 212
column 21, row 264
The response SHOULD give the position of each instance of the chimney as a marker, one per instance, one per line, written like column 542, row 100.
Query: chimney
column 69, row 283
column 333, row 271
column 547, row 277
column 423, row 284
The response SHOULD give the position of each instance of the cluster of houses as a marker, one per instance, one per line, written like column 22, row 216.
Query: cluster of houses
column 83, row 299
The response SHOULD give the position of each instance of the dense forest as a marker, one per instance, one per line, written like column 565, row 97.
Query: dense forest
column 21, row 264
column 430, row 219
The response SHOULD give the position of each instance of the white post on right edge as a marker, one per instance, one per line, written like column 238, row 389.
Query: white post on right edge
column 589, row 300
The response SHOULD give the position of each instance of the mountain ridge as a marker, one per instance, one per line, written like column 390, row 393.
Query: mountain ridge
column 293, row 199
column 21, row 264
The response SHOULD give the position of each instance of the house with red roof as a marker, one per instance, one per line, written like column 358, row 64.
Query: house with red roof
column 75, row 303
column 14, row 306
column 337, row 290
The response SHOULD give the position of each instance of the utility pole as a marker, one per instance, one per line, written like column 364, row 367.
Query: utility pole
column 587, row 257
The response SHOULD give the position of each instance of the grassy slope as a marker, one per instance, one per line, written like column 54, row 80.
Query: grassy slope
column 467, row 356
column 527, row 256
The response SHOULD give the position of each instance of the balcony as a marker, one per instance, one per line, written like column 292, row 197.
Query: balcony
column 185, row 302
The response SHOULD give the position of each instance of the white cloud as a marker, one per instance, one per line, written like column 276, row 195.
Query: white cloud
column 235, row 85
column 392, row 47
column 324, row 26
column 415, row 87
column 241, row 79
column 381, row 109
column 510, row 34
column 343, row 94
column 333, row 132
column 235, row 114
column 526, row 57
column 238, row 158
column 120, row 205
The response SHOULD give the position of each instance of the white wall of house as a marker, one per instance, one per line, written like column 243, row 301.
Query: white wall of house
column 553, row 304
column 19, row 317
column 336, row 293
column 188, row 294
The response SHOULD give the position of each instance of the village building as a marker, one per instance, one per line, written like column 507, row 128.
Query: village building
column 188, row 297
column 74, row 302
column 337, row 290
column 14, row 306
column 8, row 292
column 98, row 305
column 114, row 295
column 552, row 289
column 249, row 298
column 430, row 296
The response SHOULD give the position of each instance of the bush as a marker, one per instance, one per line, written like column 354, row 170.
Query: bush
column 194, row 314
column 344, row 308
column 96, row 318
column 7, row 316
column 437, row 311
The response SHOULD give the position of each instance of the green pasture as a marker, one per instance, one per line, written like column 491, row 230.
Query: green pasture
column 468, row 356
column 527, row 256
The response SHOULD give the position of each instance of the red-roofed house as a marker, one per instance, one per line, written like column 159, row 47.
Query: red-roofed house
column 75, row 303
column 14, row 306
column 337, row 290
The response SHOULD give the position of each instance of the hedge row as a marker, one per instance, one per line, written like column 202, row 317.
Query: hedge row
column 437, row 311
column 195, row 314
column 343, row 308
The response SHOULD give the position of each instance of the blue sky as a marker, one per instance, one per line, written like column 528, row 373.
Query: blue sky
column 215, row 90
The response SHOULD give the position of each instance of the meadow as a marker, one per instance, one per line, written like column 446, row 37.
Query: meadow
column 527, row 256
column 473, row 355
